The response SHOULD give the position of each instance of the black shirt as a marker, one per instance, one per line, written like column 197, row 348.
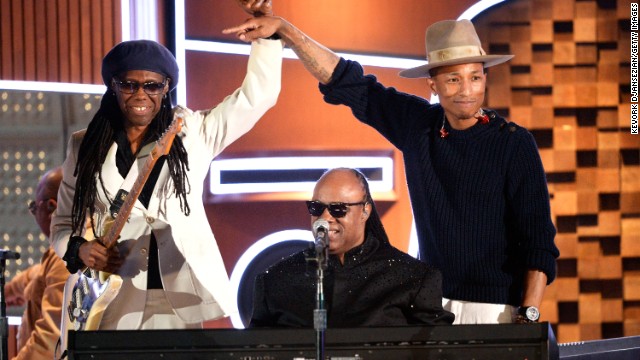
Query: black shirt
column 378, row 285
column 124, row 161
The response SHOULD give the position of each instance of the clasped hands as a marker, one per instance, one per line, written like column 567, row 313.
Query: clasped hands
column 262, row 25
column 256, row 7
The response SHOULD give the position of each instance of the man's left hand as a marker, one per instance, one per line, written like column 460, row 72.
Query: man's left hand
column 256, row 7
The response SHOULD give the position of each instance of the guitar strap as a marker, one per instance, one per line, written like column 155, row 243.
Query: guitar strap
column 130, row 179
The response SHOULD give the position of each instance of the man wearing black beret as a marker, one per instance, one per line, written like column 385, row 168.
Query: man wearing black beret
column 171, row 270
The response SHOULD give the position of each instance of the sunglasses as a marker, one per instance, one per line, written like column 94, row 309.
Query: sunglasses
column 336, row 209
column 33, row 205
column 131, row 87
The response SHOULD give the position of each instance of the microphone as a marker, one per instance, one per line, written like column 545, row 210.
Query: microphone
column 320, row 234
column 9, row 255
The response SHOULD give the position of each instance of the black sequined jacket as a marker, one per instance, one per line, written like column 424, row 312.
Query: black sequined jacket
column 378, row 285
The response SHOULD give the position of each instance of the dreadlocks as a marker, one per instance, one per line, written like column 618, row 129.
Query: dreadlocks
column 100, row 134
column 373, row 226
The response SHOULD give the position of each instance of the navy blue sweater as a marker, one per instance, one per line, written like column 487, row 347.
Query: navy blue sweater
column 479, row 196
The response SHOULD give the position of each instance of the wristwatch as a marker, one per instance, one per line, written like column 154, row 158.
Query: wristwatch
column 529, row 313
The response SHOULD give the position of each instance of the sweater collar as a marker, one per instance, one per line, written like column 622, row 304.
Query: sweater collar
column 472, row 132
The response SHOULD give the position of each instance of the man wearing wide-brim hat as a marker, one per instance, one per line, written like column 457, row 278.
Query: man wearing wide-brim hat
column 476, row 182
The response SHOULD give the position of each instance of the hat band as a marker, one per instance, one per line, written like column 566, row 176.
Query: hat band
column 453, row 53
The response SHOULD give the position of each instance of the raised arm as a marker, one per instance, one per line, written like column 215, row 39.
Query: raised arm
column 316, row 58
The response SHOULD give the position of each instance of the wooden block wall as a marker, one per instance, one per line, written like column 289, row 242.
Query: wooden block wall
column 569, row 85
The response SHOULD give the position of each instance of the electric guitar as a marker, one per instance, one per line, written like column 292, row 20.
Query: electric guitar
column 88, row 293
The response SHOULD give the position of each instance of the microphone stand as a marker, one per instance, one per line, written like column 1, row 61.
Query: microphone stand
column 320, row 313
column 4, row 321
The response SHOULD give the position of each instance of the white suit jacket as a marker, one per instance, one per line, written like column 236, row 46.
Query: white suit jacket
column 191, row 266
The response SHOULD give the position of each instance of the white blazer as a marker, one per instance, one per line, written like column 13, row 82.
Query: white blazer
column 191, row 266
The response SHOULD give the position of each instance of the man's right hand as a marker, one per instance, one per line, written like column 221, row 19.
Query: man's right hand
column 95, row 256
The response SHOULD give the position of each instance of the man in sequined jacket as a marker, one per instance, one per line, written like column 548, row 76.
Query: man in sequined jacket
column 368, row 282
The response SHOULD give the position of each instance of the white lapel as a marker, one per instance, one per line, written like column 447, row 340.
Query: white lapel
column 110, row 175
column 113, row 181
column 159, row 188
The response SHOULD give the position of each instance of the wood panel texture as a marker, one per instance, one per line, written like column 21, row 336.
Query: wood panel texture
column 57, row 40
column 572, row 93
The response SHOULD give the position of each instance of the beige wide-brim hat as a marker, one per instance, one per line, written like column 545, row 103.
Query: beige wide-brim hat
column 453, row 42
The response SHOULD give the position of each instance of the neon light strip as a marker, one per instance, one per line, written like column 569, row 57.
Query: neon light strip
column 52, row 86
column 371, row 60
column 139, row 20
column 244, row 49
column 477, row 8
column 181, row 90
column 145, row 25
column 253, row 251
column 414, row 247
column 125, row 20
column 296, row 163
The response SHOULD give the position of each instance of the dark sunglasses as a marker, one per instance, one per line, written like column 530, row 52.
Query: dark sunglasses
column 33, row 205
column 336, row 209
column 131, row 87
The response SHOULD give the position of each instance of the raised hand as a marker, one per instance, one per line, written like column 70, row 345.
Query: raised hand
column 316, row 58
column 256, row 7
column 256, row 28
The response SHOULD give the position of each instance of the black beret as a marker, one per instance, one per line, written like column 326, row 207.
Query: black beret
column 139, row 55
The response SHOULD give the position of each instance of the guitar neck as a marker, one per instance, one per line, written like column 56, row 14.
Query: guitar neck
column 111, row 237
column 162, row 147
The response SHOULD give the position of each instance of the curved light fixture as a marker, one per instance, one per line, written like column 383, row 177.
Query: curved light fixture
column 217, row 186
column 253, row 251
column 478, row 8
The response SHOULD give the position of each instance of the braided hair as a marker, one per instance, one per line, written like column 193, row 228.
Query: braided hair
column 100, row 134
column 374, row 225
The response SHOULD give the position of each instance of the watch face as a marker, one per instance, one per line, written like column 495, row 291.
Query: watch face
column 532, row 313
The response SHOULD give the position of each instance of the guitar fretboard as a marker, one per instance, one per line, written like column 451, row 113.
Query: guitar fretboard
column 162, row 146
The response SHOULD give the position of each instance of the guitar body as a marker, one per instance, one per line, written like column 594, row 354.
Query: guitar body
column 66, row 324
column 108, row 291
column 87, row 296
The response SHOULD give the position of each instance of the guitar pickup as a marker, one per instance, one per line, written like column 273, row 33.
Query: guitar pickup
column 121, row 196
